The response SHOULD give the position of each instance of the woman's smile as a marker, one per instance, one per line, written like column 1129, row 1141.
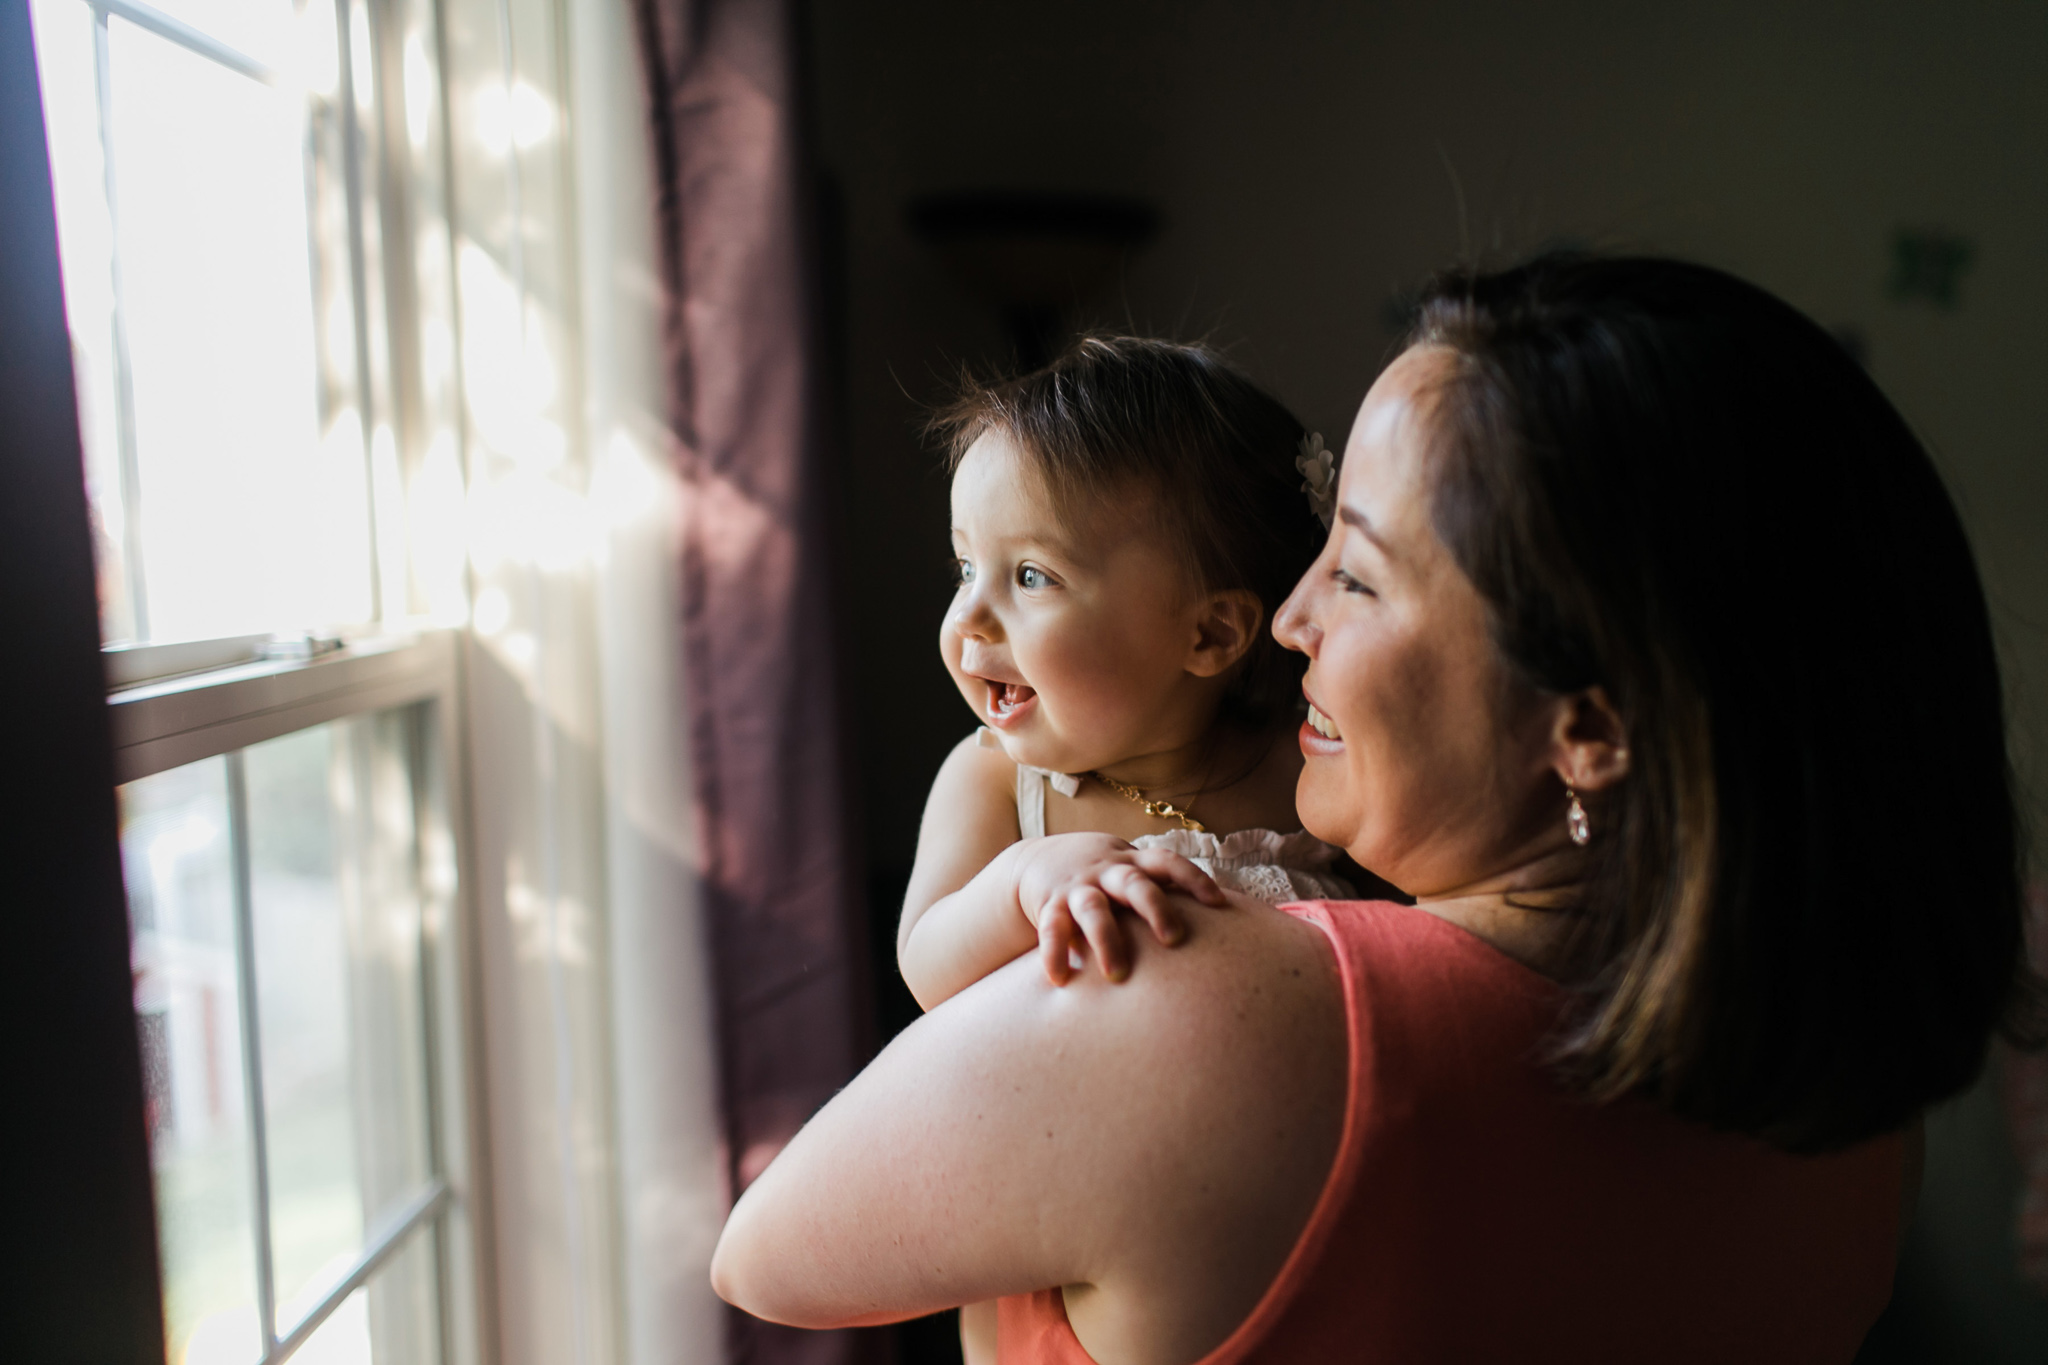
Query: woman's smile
column 1410, row 713
column 1322, row 727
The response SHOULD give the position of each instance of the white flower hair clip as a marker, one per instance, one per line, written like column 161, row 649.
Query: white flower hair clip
column 1319, row 470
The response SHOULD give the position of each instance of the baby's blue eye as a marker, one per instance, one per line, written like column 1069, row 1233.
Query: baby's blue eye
column 963, row 572
column 1031, row 576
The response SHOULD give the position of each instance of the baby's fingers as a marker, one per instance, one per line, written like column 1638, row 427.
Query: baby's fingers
column 1097, row 918
column 1174, row 870
column 1137, row 890
column 1056, row 934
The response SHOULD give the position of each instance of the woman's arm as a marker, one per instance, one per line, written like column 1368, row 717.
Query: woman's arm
column 1155, row 1146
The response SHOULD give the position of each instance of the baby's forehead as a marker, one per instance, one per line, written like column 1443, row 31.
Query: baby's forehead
column 1001, row 490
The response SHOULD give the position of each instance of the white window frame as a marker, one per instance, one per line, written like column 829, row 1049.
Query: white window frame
column 168, row 723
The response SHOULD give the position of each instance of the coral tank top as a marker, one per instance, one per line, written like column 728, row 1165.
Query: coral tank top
column 1477, row 1211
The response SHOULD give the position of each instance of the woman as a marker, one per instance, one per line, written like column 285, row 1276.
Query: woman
column 1647, row 653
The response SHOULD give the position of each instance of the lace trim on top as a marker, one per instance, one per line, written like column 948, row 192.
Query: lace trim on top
column 1274, row 867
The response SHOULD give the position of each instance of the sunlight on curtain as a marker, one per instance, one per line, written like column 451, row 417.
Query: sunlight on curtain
column 534, row 685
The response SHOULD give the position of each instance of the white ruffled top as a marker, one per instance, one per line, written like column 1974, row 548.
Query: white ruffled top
column 1265, row 863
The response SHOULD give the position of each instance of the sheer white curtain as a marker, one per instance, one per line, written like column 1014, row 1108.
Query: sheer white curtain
column 595, row 1018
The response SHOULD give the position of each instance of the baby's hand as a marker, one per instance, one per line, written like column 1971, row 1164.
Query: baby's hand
column 1069, row 885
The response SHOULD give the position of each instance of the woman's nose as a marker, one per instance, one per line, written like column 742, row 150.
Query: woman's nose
column 1292, row 626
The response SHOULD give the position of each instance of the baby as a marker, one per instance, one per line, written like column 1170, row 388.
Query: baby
column 1125, row 523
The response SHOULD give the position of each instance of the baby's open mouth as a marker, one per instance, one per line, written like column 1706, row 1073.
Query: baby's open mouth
column 1007, row 699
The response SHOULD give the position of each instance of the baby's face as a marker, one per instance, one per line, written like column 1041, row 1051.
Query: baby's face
column 1069, row 641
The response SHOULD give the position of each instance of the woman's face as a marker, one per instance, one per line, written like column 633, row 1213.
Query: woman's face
column 1428, row 761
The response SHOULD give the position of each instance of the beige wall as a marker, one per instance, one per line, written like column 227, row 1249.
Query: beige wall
column 1311, row 159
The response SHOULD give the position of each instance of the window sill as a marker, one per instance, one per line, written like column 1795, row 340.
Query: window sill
column 173, row 721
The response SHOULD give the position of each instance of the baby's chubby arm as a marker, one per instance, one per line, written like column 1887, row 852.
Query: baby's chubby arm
column 969, row 818
column 980, row 896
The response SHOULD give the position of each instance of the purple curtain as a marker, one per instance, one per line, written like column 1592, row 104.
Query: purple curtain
column 744, row 378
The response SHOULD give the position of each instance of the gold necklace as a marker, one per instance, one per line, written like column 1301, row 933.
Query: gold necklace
column 1158, row 810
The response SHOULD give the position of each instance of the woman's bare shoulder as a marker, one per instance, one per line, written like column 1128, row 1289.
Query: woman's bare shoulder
column 1248, row 978
column 1238, row 1035
column 1063, row 1116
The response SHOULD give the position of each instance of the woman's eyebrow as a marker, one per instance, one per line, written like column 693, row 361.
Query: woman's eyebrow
column 1361, row 523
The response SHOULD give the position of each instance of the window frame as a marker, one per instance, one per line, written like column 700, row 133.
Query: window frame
column 168, row 723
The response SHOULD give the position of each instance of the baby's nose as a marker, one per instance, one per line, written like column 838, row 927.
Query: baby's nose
column 971, row 617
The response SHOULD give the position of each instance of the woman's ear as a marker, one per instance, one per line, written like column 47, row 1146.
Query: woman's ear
column 1226, row 627
column 1589, row 745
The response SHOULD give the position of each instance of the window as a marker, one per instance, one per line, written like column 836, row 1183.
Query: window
column 255, row 271
column 281, row 897
column 257, row 278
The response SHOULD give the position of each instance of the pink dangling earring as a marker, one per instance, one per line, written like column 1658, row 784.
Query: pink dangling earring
column 1575, row 821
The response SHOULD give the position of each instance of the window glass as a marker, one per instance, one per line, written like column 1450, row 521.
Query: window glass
column 390, row 1321
column 336, row 907
column 176, row 854
column 203, row 229
column 64, row 51
column 305, row 848
column 261, row 29
column 232, row 469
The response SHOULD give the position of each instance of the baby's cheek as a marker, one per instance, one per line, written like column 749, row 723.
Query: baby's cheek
column 1098, row 675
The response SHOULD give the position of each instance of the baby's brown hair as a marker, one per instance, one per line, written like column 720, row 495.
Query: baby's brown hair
column 1216, row 451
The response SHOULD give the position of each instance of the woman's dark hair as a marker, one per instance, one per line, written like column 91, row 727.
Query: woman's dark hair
column 1804, row 919
column 1114, row 413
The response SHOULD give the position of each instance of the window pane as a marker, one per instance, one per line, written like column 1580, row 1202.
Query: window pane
column 405, row 1319
column 335, row 897
column 65, row 64
column 390, row 1321
column 334, row 914
column 256, row 28
column 176, row 853
column 251, row 517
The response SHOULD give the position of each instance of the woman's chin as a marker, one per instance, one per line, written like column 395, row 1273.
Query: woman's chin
column 1319, row 801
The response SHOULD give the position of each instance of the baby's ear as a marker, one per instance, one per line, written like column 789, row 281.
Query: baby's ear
column 1225, row 630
